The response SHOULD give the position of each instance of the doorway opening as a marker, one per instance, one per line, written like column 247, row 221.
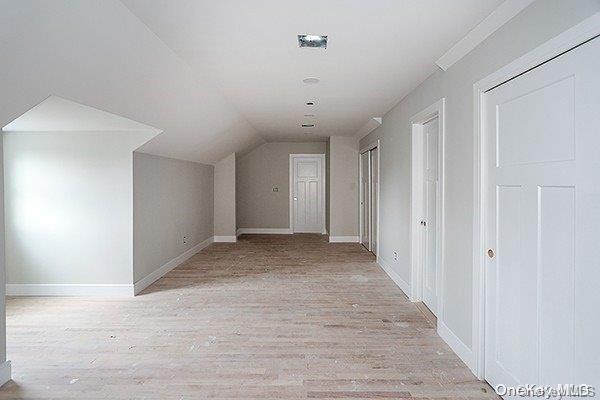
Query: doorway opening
column 369, row 197
column 427, row 207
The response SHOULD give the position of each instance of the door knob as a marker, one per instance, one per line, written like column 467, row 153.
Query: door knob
column 490, row 253
column 295, row 199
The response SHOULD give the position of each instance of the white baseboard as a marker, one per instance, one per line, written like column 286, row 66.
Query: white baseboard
column 224, row 239
column 461, row 349
column 5, row 372
column 265, row 231
column 69, row 289
column 344, row 239
column 160, row 272
column 402, row 284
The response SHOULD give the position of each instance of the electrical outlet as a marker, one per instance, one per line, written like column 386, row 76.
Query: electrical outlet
column 275, row 188
column 395, row 256
column 184, row 239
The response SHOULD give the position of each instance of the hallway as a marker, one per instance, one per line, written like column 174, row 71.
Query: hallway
column 272, row 316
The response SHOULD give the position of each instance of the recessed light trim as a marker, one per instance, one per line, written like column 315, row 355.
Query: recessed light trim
column 308, row 125
column 314, row 41
column 310, row 103
column 311, row 80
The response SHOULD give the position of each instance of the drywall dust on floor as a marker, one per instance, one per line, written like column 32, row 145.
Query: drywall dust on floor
column 271, row 316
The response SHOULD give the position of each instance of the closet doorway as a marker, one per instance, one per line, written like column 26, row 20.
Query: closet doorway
column 369, row 197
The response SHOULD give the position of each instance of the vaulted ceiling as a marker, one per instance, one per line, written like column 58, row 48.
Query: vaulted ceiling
column 223, row 76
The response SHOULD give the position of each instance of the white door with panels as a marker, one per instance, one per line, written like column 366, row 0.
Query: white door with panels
column 430, row 215
column 308, row 195
column 369, row 181
column 541, row 132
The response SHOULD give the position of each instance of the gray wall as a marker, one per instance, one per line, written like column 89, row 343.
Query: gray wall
column 538, row 23
column 225, row 221
column 343, row 173
column 68, row 207
column 171, row 198
column 257, row 172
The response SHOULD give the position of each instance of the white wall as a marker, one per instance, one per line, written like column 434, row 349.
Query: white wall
column 4, row 368
column 68, row 207
column 258, row 206
column 327, row 184
column 343, row 186
column 538, row 23
column 171, row 199
column 225, row 221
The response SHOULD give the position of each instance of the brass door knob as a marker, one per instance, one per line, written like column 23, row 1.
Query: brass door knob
column 490, row 253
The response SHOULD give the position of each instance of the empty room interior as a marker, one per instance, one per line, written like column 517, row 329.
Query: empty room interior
column 271, row 199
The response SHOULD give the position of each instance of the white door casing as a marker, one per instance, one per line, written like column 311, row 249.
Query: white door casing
column 307, row 193
column 369, row 177
column 427, row 208
column 365, row 199
column 542, row 222
column 374, row 184
column 429, row 225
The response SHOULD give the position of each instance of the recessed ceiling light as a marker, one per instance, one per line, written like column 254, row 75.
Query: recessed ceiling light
column 311, row 80
column 308, row 125
column 318, row 41
column 310, row 103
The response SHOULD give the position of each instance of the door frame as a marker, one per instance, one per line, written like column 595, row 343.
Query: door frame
column 323, row 186
column 372, row 145
column 583, row 32
column 436, row 110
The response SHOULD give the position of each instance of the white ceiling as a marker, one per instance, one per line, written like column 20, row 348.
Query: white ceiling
column 218, row 77
column 56, row 114
column 379, row 50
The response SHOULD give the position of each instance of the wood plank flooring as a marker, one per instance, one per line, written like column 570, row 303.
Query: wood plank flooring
column 269, row 317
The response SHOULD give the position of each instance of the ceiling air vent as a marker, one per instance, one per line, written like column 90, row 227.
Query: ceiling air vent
column 317, row 41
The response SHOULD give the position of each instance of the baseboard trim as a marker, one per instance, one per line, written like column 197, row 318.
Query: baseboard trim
column 5, row 372
column 160, row 272
column 69, row 289
column 225, row 239
column 264, row 231
column 401, row 283
column 462, row 350
column 344, row 239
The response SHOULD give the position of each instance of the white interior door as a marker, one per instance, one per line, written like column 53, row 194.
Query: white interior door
column 365, row 200
column 430, row 225
column 542, row 137
column 308, row 194
column 374, row 177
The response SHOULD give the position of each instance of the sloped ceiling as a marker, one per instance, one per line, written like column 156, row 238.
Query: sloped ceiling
column 222, row 76
column 56, row 114
column 99, row 54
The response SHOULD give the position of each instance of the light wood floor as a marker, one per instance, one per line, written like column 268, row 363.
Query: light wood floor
column 270, row 317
